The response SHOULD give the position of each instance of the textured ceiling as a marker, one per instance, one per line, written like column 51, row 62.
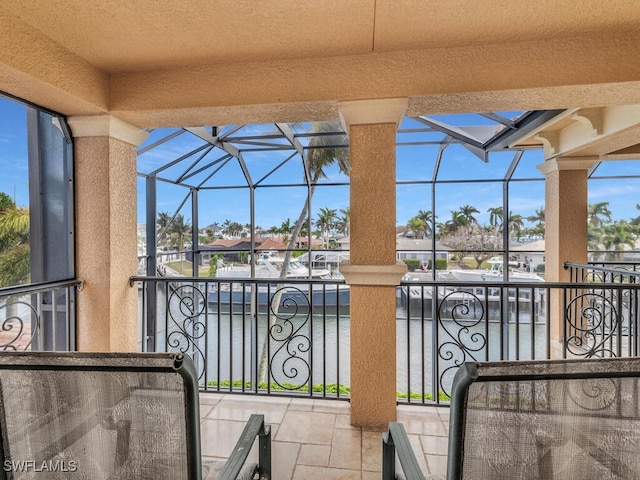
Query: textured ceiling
column 156, row 63
column 127, row 36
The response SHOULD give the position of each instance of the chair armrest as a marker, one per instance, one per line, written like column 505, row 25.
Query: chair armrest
column 255, row 427
column 395, row 440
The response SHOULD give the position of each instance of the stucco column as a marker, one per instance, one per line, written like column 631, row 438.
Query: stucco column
column 106, row 233
column 372, row 271
column 565, row 236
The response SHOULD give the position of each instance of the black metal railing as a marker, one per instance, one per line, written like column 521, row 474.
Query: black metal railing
column 264, row 337
column 614, row 310
column 442, row 325
column 39, row 316
column 604, row 272
column 252, row 336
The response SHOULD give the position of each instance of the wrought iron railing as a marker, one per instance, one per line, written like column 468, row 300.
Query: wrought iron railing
column 252, row 336
column 39, row 316
column 442, row 325
column 604, row 272
column 243, row 340
column 616, row 309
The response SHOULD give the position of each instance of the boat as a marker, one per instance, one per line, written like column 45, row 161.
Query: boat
column 495, row 273
column 270, row 266
column 235, row 288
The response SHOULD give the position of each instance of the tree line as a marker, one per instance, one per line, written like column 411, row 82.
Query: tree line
column 464, row 233
column 176, row 232
column 421, row 225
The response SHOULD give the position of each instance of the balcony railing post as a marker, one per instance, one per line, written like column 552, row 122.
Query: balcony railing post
column 151, row 298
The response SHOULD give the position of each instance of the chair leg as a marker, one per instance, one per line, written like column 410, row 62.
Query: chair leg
column 264, row 453
column 388, row 457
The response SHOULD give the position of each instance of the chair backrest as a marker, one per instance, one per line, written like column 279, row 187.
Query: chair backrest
column 99, row 416
column 543, row 420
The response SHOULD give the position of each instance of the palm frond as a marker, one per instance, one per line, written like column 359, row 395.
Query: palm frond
column 15, row 265
column 323, row 152
column 14, row 221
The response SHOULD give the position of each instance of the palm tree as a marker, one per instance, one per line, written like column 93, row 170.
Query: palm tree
column 441, row 229
column 594, row 237
column 538, row 217
column 344, row 222
column 179, row 231
column 225, row 226
column 417, row 227
column 325, row 222
column 468, row 211
column 427, row 218
column 243, row 256
column 616, row 236
column 516, row 224
column 320, row 155
column 458, row 219
column 162, row 223
column 597, row 212
column 285, row 230
column 495, row 216
column 236, row 229
column 15, row 265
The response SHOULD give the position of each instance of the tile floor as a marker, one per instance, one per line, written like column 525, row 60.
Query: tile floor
column 313, row 439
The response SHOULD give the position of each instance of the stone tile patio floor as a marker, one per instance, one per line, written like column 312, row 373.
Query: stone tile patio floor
column 313, row 439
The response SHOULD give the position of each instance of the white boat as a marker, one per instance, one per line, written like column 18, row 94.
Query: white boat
column 271, row 267
column 294, row 295
column 495, row 273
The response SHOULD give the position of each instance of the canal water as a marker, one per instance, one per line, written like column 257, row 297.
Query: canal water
column 313, row 348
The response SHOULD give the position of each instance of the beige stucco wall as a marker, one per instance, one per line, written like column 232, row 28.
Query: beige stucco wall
column 106, row 249
column 565, row 221
column 565, row 231
column 372, row 271
column 373, row 355
column 373, row 194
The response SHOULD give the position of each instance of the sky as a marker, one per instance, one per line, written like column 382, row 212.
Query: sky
column 274, row 204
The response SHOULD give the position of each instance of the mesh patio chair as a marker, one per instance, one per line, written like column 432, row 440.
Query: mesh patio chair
column 543, row 420
column 111, row 416
column 395, row 441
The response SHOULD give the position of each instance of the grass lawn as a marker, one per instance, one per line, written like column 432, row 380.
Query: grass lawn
column 183, row 267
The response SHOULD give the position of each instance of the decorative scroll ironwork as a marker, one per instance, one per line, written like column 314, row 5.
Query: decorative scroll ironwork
column 593, row 394
column 20, row 325
column 616, row 275
column 460, row 327
column 186, row 306
column 285, row 307
column 593, row 321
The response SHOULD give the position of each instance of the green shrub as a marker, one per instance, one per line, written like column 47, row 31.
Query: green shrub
column 330, row 388
column 441, row 264
column 412, row 263
column 540, row 268
column 443, row 397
